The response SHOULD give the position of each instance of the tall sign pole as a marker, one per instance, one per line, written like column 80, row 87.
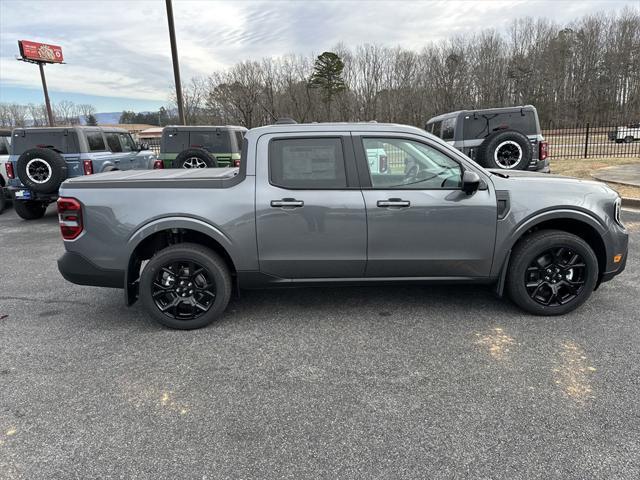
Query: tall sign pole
column 46, row 94
column 41, row 53
column 176, row 65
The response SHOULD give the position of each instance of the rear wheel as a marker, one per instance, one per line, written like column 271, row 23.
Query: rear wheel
column 29, row 209
column 185, row 286
column 3, row 199
column 628, row 139
column 552, row 273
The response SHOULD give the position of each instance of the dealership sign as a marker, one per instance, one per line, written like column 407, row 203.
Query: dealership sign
column 40, row 52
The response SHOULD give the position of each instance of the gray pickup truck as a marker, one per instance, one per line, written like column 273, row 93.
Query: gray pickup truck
column 304, row 208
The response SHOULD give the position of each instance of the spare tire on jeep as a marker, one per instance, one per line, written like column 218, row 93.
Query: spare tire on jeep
column 42, row 170
column 195, row 158
column 505, row 149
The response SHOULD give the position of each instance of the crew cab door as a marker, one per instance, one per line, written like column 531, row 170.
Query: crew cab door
column 420, row 222
column 310, row 213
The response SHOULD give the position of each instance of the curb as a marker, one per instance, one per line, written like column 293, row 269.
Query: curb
column 631, row 202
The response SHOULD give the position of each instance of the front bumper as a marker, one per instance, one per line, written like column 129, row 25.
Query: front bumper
column 77, row 269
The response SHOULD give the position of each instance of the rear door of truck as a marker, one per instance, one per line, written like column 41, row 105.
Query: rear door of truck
column 310, row 212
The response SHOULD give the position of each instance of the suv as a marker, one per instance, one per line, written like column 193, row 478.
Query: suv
column 507, row 138
column 42, row 158
column 626, row 134
column 201, row 147
column 306, row 208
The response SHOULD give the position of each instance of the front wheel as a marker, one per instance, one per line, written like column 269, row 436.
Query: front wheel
column 29, row 209
column 552, row 273
column 628, row 139
column 185, row 286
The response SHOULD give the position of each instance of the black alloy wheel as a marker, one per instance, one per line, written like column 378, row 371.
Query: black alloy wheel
column 556, row 277
column 183, row 290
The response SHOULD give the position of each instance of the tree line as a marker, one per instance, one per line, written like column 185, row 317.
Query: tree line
column 65, row 113
column 587, row 70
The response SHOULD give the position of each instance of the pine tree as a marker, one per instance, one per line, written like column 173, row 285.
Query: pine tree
column 327, row 76
column 92, row 120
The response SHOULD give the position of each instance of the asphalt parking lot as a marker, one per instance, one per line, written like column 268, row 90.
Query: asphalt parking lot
column 377, row 382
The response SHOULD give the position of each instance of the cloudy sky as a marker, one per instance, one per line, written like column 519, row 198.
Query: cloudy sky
column 118, row 55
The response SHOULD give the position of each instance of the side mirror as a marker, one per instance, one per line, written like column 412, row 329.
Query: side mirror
column 143, row 146
column 470, row 182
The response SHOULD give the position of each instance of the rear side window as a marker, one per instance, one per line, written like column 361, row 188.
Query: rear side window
column 95, row 142
column 448, row 128
column 63, row 141
column 214, row 142
column 307, row 163
column 113, row 142
column 4, row 146
column 239, row 137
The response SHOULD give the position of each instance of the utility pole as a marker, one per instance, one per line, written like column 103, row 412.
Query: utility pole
column 46, row 94
column 176, row 65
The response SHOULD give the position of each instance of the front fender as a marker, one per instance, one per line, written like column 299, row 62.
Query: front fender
column 505, row 243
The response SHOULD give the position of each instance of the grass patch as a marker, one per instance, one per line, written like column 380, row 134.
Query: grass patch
column 583, row 167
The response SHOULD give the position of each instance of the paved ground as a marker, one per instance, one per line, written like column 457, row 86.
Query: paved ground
column 625, row 174
column 402, row 382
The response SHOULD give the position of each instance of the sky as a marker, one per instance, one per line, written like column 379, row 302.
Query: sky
column 118, row 54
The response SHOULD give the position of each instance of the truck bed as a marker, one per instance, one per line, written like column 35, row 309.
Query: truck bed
column 170, row 178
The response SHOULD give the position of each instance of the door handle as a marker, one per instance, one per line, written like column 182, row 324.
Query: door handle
column 287, row 202
column 394, row 202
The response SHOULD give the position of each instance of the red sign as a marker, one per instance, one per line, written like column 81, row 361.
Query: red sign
column 40, row 52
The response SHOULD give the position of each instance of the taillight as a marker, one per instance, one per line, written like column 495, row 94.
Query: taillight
column 544, row 150
column 236, row 163
column 9, row 167
column 69, row 217
column 88, row 167
column 158, row 164
column 382, row 167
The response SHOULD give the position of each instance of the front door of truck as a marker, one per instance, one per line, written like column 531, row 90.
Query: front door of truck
column 420, row 223
column 310, row 213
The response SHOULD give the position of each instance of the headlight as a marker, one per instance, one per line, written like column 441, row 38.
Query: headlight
column 616, row 213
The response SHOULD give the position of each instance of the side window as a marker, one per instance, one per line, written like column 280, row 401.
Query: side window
column 239, row 137
column 435, row 129
column 113, row 142
column 128, row 145
column 448, row 128
column 410, row 165
column 307, row 163
column 4, row 147
column 95, row 141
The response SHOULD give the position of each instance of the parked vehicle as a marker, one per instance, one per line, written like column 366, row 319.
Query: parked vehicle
column 626, row 134
column 42, row 158
column 201, row 146
column 304, row 208
column 507, row 138
column 5, row 147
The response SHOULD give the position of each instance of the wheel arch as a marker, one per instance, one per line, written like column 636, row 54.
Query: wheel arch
column 578, row 223
column 160, row 234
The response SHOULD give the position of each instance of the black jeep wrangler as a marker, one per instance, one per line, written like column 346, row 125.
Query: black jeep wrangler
column 506, row 138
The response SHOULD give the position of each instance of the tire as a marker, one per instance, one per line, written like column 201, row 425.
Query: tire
column 111, row 168
column 3, row 200
column 42, row 170
column 628, row 139
column 619, row 140
column 159, row 288
column 29, row 209
column 531, row 282
column 505, row 149
column 195, row 158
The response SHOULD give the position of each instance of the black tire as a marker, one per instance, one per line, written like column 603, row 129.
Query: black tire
column 195, row 158
column 29, row 209
column 158, row 288
column 628, row 139
column 111, row 168
column 530, row 282
column 42, row 170
column 619, row 140
column 505, row 149
column 3, row 200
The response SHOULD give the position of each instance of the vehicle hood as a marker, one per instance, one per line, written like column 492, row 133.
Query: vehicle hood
column 154, row 175
column 542, row 181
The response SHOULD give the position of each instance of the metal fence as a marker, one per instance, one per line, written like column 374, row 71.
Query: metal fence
column 589, row 140
column 153, row 143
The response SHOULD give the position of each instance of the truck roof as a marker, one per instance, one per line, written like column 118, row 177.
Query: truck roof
column 69, row 128
column 206, row 127
column 337, row 127
column 481, row 111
